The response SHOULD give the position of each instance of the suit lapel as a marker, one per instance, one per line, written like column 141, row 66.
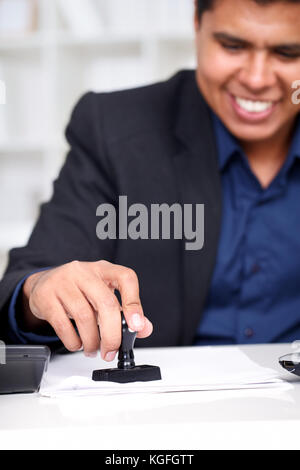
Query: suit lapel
column 198, row 180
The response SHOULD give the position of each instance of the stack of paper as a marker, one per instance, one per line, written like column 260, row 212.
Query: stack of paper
column 182, row 369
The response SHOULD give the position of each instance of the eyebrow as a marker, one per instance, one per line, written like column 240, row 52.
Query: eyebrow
column 286, row 47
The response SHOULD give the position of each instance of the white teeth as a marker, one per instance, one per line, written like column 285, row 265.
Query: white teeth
column 253, row 106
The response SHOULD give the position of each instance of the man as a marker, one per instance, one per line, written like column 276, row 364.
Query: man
column 227, row 137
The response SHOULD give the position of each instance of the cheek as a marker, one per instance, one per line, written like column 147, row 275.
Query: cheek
column 292, row 107
column 215, row 68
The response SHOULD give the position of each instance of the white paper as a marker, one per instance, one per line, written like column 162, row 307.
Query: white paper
column 182, row 369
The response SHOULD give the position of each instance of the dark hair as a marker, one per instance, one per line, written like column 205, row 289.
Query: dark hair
column 205, row 5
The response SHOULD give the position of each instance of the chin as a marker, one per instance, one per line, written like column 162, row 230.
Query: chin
column 254, row 133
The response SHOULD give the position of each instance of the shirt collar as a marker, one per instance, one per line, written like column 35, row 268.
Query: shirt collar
column 228, row 145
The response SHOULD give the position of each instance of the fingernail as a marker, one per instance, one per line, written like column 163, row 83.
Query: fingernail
column 110, row 356
column 137, row 321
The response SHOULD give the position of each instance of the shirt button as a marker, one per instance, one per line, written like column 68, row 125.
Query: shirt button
column 249, row 332
column 255, row 268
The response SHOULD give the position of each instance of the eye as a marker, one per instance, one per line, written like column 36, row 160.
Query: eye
column 232, row 47
column 286, row 55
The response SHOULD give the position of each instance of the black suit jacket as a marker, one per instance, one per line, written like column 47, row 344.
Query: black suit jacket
column 154, row 144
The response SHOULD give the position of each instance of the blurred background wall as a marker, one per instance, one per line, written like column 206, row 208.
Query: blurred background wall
column 53, row 51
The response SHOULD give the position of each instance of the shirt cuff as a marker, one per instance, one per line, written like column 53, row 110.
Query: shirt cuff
column 22, row 336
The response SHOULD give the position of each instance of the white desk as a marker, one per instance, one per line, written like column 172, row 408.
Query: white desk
column 262, row 418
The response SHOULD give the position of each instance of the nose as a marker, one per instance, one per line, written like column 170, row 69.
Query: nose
column 257, row 75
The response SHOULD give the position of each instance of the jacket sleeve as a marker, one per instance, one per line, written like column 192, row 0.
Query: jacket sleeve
column 15, row 330
column 66, row 227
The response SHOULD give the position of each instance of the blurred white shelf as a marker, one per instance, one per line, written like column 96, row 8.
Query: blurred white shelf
column 29, row 41
column 68, row 39
column 41, row 40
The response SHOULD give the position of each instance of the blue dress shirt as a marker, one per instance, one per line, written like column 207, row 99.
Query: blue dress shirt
column 254, row 295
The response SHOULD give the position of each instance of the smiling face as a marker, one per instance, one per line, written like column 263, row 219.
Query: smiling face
column 248, row 57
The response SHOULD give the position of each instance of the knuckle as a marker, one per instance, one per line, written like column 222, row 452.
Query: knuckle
column 103, row 263
column 79, row 311
column 129, row 275
column 84, row 316
column 72, row 266
column 111, row 343
column 78, row 307
column 134, row 305
column 59, row 324
column 109, row 302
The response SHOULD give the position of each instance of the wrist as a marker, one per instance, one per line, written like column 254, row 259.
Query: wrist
column 29, row 284
column 29, row 322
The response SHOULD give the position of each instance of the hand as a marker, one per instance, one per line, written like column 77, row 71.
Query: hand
column 84, row 292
